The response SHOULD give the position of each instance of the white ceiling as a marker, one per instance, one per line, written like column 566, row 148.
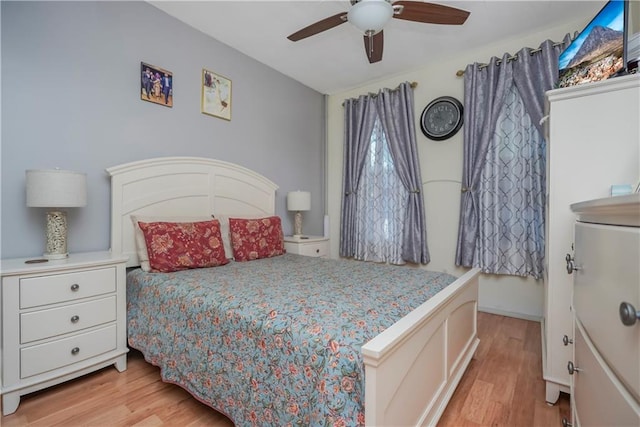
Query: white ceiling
column 335, row 60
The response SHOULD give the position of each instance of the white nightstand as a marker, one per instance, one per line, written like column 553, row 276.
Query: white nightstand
column 60, row 320
column 315, row 246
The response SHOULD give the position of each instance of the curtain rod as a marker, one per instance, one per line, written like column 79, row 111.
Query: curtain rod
column 460, row 73
column 413, row 85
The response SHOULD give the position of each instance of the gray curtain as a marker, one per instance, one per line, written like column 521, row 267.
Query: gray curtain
column 360, row 116
column 486, row 88
column 396, row 108
column 536, row 73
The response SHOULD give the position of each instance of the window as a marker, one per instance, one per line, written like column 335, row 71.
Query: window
column 382, row 216
column 381, row 204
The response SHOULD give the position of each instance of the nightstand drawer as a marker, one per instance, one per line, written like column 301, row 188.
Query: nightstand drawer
column 316, row 249
column 46, row 357
column 35, row 291
column 313, row 246
column 62, row 320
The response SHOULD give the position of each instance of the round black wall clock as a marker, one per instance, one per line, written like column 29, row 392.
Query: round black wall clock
column 442, row 118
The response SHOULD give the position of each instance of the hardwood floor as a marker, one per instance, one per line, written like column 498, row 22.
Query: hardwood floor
column 503, row 386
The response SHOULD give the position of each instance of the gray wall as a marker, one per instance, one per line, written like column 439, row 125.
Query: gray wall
column 71, row 99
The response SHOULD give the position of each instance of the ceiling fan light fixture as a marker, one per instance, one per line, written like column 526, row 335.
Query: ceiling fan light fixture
column 370, row 16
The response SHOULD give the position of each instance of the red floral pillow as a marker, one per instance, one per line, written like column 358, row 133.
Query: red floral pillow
column 256, row 238
column 174, row 246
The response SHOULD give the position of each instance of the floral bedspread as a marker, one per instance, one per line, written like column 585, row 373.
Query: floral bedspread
column 273, row 342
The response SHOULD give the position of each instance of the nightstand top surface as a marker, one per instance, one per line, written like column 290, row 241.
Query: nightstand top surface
column 15, row 266
column 305, row 239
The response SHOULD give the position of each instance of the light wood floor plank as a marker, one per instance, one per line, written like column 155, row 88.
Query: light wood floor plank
column 477, row 402
column 502, row 386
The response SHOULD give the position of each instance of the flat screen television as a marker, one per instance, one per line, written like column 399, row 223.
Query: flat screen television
column 599, row 50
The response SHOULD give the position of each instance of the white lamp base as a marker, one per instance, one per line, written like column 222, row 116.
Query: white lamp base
column 56, row 235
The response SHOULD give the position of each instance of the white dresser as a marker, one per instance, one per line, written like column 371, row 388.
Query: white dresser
column 60, row 319
column 593, row 141
column 605, row 366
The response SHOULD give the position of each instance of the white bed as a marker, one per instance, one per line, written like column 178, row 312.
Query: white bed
column 402, row 386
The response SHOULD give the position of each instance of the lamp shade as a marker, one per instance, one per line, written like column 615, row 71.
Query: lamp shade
column 56, row 188
column 298, row 201
column 370, row 16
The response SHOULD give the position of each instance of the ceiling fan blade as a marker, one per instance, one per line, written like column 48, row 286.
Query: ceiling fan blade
column 430, row 13
column 318, row 27
column 373, row 47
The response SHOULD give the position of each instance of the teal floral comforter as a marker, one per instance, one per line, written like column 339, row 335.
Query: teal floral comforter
column 273, row 342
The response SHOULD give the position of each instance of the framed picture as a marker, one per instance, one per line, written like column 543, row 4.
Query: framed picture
column 216, row 95
column 156, row 85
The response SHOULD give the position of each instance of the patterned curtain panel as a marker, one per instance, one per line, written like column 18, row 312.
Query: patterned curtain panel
column 502, row 205
column 381, row 205
column 511, row 195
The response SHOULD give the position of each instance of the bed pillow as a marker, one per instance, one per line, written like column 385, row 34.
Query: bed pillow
column 174, row 246
column 224, row 229
column 256, row 238
column 141, row 246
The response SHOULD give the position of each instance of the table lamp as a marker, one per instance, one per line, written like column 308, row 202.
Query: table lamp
column 298, row 201
column 54, row 189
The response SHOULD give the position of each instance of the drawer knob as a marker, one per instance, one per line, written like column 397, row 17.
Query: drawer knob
column 628, row 314
column 566, row 340
column 75, row 319
column 571, row 265
column 566, row 423
column 75, row 350
column 572, row 368
column 75, row 287
column 317, row 251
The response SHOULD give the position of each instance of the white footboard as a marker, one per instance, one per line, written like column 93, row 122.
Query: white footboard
column 414, row 366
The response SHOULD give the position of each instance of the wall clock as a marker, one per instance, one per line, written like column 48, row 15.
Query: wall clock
column 441, row 118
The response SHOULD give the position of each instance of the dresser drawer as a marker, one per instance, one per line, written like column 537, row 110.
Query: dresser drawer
column 41, row 358
column 598, row 398
column 36, row 291
column 70, row 318
column 608, row 274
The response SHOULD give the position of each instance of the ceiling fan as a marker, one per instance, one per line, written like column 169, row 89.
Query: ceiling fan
column 370, row 16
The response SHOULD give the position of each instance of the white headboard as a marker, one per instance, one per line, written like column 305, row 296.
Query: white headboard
column 182, row 186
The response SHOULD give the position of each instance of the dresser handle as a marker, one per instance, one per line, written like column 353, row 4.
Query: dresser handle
column 571, row 265
column 572, row 368
column 628, row 314
column 75, row 350
column 566, row 340
column 75, row 319
column 317, row 251
column 566, row 423
column 75, row 287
